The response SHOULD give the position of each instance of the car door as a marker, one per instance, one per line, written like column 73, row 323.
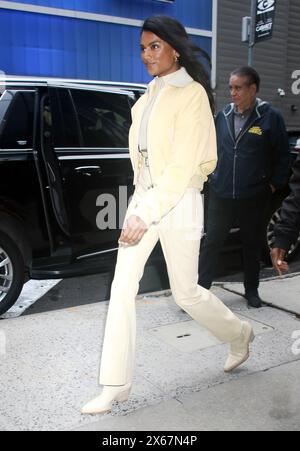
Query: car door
column 20, row 191
column 89, row 136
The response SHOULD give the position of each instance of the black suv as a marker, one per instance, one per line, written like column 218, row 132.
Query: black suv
column 63, row 144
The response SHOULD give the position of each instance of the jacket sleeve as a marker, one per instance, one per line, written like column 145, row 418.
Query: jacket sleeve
column 194, row 146
column 280, row 152
column 288, row 229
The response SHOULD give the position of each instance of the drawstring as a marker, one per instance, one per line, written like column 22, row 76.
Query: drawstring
column 143, row 154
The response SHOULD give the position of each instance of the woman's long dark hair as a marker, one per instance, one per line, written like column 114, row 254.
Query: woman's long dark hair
column 171, row 31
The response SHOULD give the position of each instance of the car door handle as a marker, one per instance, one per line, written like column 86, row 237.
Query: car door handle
column 89, row 170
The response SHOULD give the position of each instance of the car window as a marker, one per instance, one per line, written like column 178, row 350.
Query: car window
column 294, row 142
column 16, row 124
column 5, row 100
column 62, row 119
column 104, row 118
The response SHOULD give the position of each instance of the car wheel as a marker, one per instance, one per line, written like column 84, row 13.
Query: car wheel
column 12, row 272
column 270, row 239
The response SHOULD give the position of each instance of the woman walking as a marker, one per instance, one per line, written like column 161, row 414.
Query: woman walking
column 173, row 149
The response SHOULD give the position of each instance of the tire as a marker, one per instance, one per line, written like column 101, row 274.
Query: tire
column 12, row 272
column 270, row 238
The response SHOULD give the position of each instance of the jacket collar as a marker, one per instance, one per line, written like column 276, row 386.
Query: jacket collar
column 259, row 108
column 179, row 79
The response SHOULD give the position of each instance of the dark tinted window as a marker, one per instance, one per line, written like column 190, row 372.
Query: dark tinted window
column 65, row 127
column 294, row 142
column 104, row 118
column 16, row 127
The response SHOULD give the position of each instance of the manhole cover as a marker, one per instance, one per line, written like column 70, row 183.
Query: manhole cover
column 188, row 336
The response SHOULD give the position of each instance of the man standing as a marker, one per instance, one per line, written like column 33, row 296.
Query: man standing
column 253, row 162
column 287, row 230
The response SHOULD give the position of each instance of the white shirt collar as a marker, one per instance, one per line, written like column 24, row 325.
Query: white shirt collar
column 179, row 79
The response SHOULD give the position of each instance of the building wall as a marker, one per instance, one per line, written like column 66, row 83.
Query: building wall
column 45, row 42
column 274, row 59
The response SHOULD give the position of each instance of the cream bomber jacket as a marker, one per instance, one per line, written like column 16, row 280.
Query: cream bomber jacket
column 181, row 143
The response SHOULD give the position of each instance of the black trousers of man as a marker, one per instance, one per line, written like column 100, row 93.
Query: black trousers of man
column 250, row 215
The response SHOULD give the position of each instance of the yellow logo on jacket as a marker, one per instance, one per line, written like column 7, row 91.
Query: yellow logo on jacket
column 256, row 131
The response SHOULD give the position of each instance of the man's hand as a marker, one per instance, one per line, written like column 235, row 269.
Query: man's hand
column 273, row 188
column 277, row 256
column 133, row 231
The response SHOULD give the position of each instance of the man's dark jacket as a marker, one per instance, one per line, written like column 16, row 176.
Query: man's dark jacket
column 287, row 231
column 257, row 158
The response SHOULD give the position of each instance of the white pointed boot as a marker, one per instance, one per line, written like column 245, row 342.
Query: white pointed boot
column 103, row 403
column 239, row 348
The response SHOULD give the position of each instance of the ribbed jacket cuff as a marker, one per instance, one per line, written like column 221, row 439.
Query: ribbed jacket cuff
column 282, row 243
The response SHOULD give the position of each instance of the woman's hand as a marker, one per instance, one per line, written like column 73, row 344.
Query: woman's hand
column 277, row 256
column 133, row 231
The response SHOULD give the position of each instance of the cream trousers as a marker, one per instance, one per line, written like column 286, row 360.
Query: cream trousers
column 179, row 233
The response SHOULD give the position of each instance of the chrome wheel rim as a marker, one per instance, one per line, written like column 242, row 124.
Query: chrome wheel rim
column 6, row 274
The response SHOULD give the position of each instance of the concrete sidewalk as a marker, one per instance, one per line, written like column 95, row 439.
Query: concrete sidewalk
column 49, row 366
column 285, row 292
column 264, row 401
